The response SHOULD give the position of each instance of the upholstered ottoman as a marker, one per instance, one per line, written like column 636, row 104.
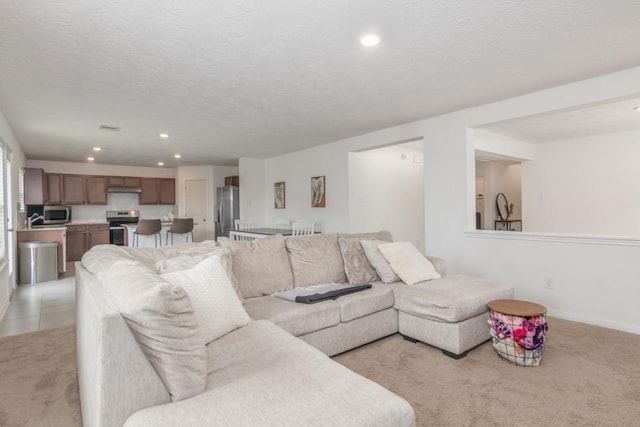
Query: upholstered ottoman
column 449, row 313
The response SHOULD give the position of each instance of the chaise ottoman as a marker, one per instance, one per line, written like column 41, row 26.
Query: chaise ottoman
column 448, row 313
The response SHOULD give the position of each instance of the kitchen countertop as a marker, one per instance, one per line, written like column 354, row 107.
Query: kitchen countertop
column 45, row 228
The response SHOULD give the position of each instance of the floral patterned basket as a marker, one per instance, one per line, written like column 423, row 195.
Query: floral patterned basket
column 519, row 340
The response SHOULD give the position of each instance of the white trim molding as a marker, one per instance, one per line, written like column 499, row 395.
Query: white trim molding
column 586, row 239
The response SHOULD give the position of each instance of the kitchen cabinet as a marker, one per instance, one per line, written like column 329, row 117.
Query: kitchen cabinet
column 124, row 181
column 34, row 186
column 157, row 191
column 149, row 193
column 96, row 190
column 54, row 189
column 52, row 234
column 82, row 237
column 166, row 191
column 73, row 189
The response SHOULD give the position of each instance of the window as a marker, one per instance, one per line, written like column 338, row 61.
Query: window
column 21, row 207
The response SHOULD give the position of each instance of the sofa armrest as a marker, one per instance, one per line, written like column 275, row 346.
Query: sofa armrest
column 439, row 263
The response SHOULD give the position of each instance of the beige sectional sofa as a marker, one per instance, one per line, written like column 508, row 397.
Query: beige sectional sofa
column 275, row 369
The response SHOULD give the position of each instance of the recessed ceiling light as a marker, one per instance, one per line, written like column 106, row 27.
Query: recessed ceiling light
column 177, row 156
column 636, row 108
column 369, row 40
column 164, row 135
column 110, row 128
column 97, row 149
column 91, row 159
column 160, row 164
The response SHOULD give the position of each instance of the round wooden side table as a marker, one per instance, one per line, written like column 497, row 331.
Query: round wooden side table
column 518, row 330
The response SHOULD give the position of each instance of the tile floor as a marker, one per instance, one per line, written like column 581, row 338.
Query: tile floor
column 45, row 305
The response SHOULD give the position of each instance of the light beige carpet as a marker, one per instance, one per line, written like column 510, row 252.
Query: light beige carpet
column 38, row 380
column 589, row 376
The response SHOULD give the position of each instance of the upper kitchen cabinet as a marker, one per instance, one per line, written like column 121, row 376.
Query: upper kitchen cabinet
column 166, row 191
column 149, row 193
column 124, row 181
column 158, row 191
column 35, row 190
column 54, row 189
column 73, row 189
column 96, row 190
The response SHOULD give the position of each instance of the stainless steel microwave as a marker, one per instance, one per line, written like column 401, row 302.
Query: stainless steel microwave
column 56, row 214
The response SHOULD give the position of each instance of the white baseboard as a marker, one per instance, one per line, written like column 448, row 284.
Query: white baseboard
column 620, row 326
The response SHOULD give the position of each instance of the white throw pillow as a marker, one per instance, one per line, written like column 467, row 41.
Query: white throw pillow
column 408, row 263
column 378, row 261
column 217, row 307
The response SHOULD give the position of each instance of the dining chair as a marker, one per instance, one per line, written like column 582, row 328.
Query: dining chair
column 180, row 226
column 303, row 228
column 241, row 224
column 147, row 227
column 244, row 237
column 283, row 224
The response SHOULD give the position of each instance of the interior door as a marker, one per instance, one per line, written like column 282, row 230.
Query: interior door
column 195, row 206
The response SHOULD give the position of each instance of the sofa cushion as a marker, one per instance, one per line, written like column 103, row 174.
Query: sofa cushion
column 163, row 322
column 407, row 262
column 450, row 299
column 261, row 266
column 378, row 261
column 262, row 376
column 217, row 307
column 315, row 259
column 293, row 317
column 356, row 266
column 360, row 304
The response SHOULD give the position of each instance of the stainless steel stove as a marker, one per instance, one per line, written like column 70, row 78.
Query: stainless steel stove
column 117, row 221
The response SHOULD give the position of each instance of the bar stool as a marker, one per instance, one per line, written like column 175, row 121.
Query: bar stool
column 180, row 226
column 148, row 227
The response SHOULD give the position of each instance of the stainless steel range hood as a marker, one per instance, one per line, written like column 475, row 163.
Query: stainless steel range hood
column 124, row 190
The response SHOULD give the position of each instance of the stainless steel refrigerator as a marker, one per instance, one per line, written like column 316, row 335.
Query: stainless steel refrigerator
column 227, row 209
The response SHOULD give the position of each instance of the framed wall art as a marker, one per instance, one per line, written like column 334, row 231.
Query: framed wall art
column 279, row 196
column 318, row 192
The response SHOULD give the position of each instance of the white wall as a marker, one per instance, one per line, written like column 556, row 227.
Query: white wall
column 386, row 192
column 115, row 201
column 585, row 186
column 7, row 281
column 254, row 195
column 595, row 280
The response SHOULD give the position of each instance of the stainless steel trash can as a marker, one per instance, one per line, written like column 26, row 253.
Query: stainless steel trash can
column 38, row 262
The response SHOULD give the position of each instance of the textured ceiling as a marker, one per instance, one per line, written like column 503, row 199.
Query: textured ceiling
column 259, row 78
column 616, row 116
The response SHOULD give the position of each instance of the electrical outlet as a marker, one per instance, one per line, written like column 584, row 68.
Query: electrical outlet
column 548, row 283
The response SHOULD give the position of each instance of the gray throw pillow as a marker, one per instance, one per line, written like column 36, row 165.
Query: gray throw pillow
column 357, row 267
column 378, row 261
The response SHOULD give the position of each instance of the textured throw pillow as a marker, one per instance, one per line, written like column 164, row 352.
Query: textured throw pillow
column 408, row 263
column 356, row 265
column 164, row 324
column 186, row 260
column 261, row 266
column 217, row 307
column 378, row 261
column 315, row 260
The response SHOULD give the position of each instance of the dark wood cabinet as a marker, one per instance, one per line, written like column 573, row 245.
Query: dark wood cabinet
column 166, row 191
column 54, row 189
column 35, row 190
column 149, row 193
column 124, row 181
column 96, row 190
column 73, row 190
column 82, row 237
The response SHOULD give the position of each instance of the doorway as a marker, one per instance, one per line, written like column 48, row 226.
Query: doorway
column 195, row 206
